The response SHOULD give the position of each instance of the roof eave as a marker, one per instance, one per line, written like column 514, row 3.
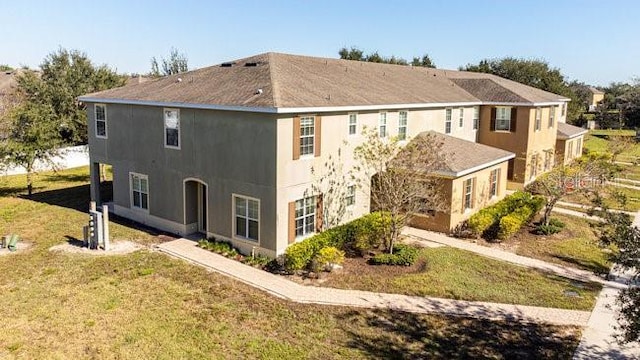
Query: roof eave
column 471, row 170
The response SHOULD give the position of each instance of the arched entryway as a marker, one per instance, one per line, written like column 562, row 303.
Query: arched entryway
column 196, row 205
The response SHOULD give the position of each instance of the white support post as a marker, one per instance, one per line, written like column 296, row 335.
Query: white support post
column 92, row 206
column 105, row 227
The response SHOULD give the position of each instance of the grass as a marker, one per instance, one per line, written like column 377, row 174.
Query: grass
column 452, row 273
column 146, row 305
column 631, row 172
column 576, row 246
column 613, row 132
column 596, row 141
column 633, row 198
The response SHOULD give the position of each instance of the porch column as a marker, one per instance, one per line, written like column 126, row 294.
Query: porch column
column 94, row 171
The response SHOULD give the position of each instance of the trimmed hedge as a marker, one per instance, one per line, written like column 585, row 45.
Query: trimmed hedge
column 507, row 216
column 403, row 255
column 360, row 233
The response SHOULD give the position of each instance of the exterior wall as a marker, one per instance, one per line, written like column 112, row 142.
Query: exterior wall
column 454, row 189
column 295, row 177
column 231, row 152
column 594, row 99
column 570, row 149
column 525, row 141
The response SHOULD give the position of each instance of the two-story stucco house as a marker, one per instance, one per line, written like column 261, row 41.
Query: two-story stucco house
column 228, row 150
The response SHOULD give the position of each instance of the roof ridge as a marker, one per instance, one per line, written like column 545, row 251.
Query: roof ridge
column 275, row 98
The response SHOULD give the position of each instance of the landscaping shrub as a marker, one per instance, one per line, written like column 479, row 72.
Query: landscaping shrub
column 511, row 223
column 479, row 222
column 543, row 229
column 488, row 221
column 220, row 247
column 557, row 223
column 403, row 255
column 326, row 257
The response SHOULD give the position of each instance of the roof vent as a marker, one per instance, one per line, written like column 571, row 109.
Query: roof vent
column 251, row 64
column 179, row 80
column 227, row 64
column 259, row 91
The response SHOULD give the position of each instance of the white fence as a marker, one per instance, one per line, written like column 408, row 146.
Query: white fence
column 69, row 157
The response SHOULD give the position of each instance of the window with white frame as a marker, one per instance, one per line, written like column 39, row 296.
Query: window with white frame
column 140, row 191
column 476, row 117
column 503, row 118
column 382, row 125
column 461, row 117
column 534, row 165
column 447, row 121
column 548, row 161
column 305, row 216
column 402, row 125
column 493, row 182
column 564, row 109
column 579, row 147
column 172, row 128
column 353, row 123
column 538, row 123
column 307, row 135
column 570, row 150
column 350, row 195
column 101, row 120
column 247, row 217
column 468, row 194
column 552, row 115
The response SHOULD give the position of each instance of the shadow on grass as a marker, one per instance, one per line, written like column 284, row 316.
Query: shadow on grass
column 67, row 178
column 75, row 242
column 590, row 265
column 15, row 190
column 399, row 335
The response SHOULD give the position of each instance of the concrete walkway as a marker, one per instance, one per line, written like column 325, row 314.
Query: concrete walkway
column 286, row 289
column 587, row 207
column 564, row 271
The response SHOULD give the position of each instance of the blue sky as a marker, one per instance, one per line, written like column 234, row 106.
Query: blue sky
column 592, row 41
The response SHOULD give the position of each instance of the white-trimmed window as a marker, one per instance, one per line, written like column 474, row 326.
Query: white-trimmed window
column 353, row 123
column 503, row 118
column 579, row 147
column 493, row 182
column 534, row 165
column 402, row 125
column 350, row 195
column 100, row 111
column 139, row 191
column 382, row 125
column 538, row 123
column 247, row 217
column 468, row 194
column 548, row 161
column 305, row 216
column 461, row 117
column 307, row 135
column 564, row 109
column 570, row 150
column 447, row 121
column 552, row 115
column 476, row 117
column 172, row 128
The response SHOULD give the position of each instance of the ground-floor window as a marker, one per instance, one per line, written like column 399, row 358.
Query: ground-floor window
column 493, row 182
column 139, row 191
column 305, row 216
column 350, row 196
column 468, row 194
column 247, row 217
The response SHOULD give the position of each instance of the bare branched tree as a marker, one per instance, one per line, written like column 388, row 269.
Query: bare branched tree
column 619, row 144
column 401, row 179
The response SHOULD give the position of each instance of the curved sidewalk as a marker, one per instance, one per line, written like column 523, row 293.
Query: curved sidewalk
column 286, row 289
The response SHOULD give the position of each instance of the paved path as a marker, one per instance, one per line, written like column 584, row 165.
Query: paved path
column 286, row 289
column 575, row 213
column 564, row 271
column 587, row 207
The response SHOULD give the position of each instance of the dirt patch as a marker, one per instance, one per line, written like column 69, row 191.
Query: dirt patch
column 117, row 248
column 20, row 246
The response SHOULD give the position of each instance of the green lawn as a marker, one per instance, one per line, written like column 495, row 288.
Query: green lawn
column 147, row 306
column 576, row 245
column 452, row 273
column 633, row 198
column 613, row 132
column 595, row 141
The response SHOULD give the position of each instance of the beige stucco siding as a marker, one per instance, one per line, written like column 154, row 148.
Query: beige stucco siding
column 567, row 150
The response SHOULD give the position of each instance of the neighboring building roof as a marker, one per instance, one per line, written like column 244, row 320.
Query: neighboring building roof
column 464, row 157
column 566, row 131
column 595, row 91
column 274, row 82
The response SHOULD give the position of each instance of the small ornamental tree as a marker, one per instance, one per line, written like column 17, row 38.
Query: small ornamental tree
column 619, row 144
column 400, row 178
column 566, row 179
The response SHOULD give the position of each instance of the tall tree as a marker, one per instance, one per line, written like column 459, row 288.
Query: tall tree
column 65, row 75
column 400, row 178
column 532, row 72
column 4, row 67
column 175, row 64
column 355, row 53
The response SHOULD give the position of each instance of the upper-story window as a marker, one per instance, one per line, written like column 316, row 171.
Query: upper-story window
column 402, row 125
column 353, row 123
column 538, row 119
column 447, row 121
column 552, row 115
column 382, row 125
column 503, row 118
column 476, row 117
column 307, row 135
column 101, row 120
column 172, row 128
column 461, row 118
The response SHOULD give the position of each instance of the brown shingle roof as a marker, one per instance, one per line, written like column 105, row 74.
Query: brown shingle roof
column 566, row 131
column 464, row 157
column 291, row 81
